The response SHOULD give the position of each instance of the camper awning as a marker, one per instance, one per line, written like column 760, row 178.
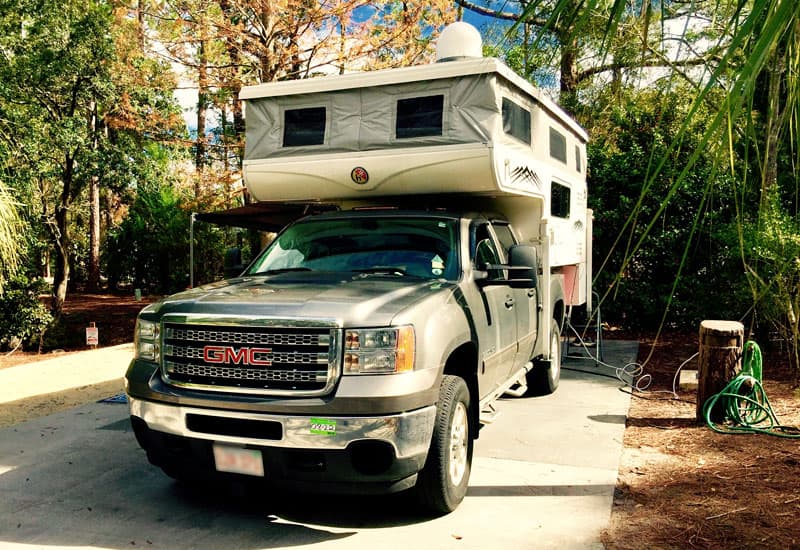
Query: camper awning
column 263, row 216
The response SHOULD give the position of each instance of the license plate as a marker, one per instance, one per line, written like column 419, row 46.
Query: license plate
column 238, row 461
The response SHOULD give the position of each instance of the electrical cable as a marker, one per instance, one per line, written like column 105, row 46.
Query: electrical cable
column 637, row 381
column 634, row 371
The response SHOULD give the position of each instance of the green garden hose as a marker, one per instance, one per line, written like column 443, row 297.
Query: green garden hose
column 751, row 360
column 747, row 409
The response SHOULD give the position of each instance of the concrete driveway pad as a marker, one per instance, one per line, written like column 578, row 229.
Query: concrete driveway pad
column 543, row 477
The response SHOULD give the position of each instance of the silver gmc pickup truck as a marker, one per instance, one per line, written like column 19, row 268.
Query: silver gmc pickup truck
column 359, row 352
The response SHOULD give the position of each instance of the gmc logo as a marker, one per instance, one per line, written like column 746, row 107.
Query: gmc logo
column 240, row 356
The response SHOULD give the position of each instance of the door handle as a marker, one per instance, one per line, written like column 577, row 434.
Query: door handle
column 509, row 303
column 531, row 293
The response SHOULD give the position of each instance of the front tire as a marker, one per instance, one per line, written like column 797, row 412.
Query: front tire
column 442, row 483
column 543, row 379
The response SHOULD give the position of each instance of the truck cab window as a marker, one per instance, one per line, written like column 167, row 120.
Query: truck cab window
column 504, row 235
column 486, row 251
column 417, row 247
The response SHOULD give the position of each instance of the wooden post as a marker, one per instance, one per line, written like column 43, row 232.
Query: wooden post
column 719, row 362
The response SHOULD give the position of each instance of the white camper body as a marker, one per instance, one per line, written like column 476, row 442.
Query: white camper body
column 469, row 129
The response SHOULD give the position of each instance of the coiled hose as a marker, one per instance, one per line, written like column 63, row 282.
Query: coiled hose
column 745, row 403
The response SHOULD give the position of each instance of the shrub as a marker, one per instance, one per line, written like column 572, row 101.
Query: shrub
column 23, row 318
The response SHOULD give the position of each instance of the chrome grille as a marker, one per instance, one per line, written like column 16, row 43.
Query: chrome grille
column 239, row 373
column 250, row 359
column 245, row 337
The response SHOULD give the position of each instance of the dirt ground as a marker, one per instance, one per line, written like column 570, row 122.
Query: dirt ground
column 680, row 485
column 114, row 316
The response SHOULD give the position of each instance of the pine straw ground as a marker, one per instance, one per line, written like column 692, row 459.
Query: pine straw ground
column 682, row 485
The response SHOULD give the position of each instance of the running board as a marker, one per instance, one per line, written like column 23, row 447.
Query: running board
column 515, row 386
column 488, row 414
column 517, row 390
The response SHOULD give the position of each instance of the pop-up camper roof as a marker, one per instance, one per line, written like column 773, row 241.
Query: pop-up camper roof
column 464, row 126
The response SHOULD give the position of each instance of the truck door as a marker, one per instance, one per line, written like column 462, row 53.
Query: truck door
column 500, row 349
column 525, row 302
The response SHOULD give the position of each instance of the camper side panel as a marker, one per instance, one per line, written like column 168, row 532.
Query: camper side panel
column 442, row 112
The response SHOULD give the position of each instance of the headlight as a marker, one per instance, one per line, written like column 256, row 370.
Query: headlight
column 379, row 351
column 146, row 340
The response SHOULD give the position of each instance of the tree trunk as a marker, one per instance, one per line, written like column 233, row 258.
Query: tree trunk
column 774, row 123
column 140, row 9
column 202, row 105
column 569, row 72
column 61, row 273
column 61, row 237
column 93, row 276
column 719, row 362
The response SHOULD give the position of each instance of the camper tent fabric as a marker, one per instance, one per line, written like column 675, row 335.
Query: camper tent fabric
column 363, row 119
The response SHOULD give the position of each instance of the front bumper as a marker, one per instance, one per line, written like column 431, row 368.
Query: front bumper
column 409, row 433
column 343, row 454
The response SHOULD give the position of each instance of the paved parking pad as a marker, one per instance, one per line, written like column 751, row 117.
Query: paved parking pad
column 543, row 477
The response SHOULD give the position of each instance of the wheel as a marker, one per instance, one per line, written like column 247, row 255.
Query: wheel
column 180, row 473
column 443, row 481
column 544, row 377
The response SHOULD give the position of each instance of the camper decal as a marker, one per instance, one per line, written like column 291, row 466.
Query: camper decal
column 359, row 175
column 523, row 174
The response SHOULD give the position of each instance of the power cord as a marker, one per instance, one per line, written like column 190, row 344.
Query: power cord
column 632, row 375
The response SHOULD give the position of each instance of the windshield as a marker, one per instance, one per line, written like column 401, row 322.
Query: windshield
column 418, row 247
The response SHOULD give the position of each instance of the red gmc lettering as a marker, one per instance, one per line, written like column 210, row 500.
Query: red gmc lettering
column 240, row 356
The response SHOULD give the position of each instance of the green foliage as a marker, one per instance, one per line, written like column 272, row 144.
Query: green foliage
column 23, row 317
column 772, row 262
column 10, row 225
column 149, row 249
column 690, row 270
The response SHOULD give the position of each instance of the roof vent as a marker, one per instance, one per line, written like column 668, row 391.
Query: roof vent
column 458, row 40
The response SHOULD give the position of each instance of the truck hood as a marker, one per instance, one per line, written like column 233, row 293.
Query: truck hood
column 345, row 298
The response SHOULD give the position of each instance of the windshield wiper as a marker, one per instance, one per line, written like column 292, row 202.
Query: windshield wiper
column 282, row 270
column 384, row 270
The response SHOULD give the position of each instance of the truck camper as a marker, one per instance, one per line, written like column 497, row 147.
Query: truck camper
column 364, row 348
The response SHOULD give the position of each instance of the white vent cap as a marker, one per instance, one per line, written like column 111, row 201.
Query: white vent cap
column 457, row 41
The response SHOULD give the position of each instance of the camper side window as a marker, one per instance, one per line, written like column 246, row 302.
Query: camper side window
column 559, row 200
column 516, row 121
column 558, row 145
column 419, row 116
column 304, row 127
column 578, row 166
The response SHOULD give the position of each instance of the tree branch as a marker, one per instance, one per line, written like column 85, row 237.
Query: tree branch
column 652, row 62
column 505, row 15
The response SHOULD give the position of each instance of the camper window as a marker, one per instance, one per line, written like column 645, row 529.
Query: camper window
column 516, row 121
column 304, row 127
column 419, row 116
column 559, row 200
column 558, row 145
column 578, row 159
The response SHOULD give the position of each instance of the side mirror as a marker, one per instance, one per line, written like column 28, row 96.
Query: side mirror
column 231, row 271
column 524, row 263
column 232, row 265
column 522, row 269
